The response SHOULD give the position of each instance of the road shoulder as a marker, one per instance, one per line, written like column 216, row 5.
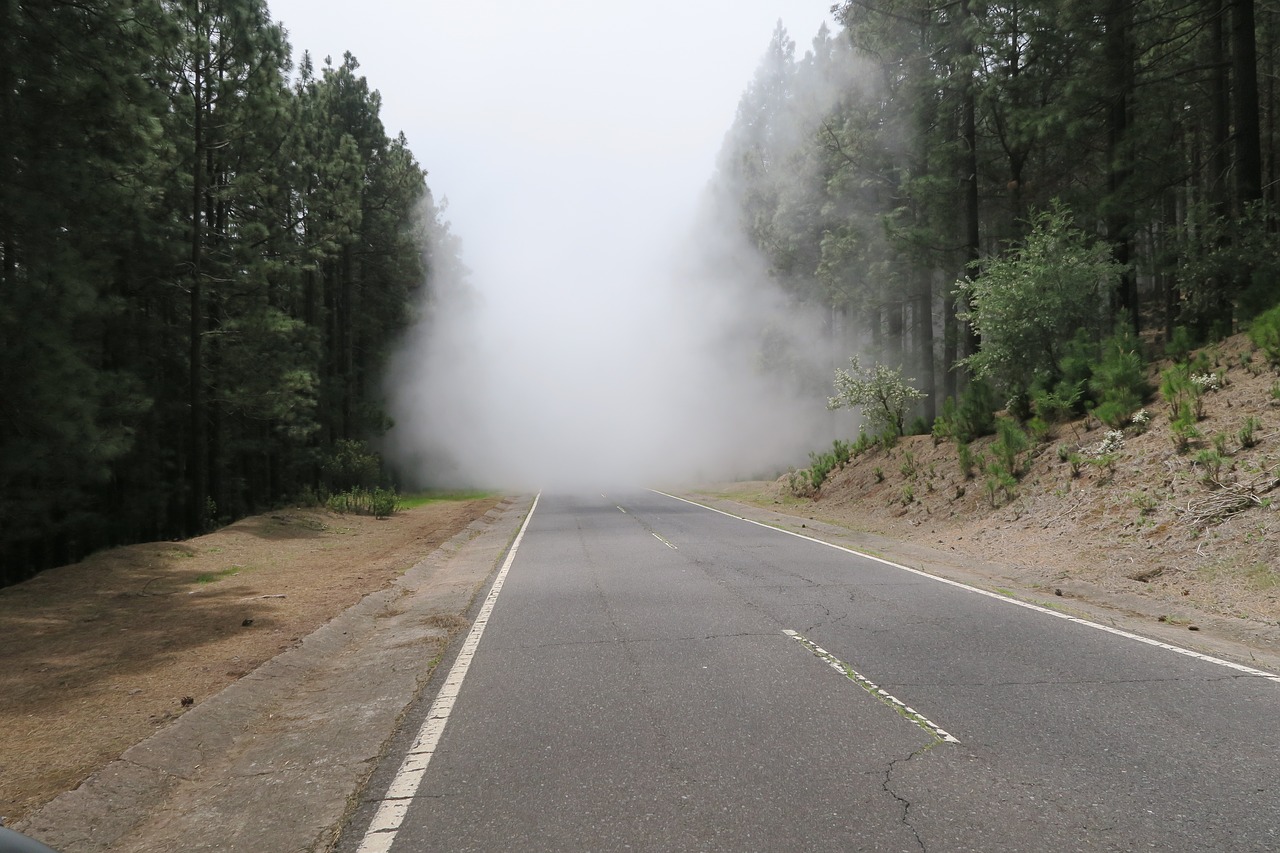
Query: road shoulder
column 275, row 760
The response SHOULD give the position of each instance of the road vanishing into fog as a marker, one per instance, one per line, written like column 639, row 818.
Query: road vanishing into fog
column 655, row 675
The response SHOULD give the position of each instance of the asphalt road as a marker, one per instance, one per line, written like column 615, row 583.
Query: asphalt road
column 654, row 675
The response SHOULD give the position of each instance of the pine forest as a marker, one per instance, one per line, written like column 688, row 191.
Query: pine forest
column 207, row 254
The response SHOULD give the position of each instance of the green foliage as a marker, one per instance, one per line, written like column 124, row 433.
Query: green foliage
column 380, row 503
column 1058, row 405
column 880, row 392
column 842, row 450
column 1000, row 483
column 964, row 454
column 1264, row 331
column 1182, row 394
column 908, row 467
column 1248, row 432
column 1105, row 463
column 944, row 422
column 417, row 499
column 1030, row 302
column 1182, row 427
column 350, row 465
column 1119, row 382
column 203, row 269
column 1145, row 503
column 820, row 467
column 807, row 481
column 1180, row 344
column 1010, row 445
column 973, row 418
column 1075, row 460
column 1210, row 461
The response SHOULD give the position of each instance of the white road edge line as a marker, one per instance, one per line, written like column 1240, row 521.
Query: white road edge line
column 381, row 833
column 874, row 689
column 1238, row 667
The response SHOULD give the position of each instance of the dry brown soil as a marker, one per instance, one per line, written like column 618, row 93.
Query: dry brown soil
column 1154, row 534
column 100, row 653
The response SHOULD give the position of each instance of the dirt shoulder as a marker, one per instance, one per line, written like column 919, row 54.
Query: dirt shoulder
column 101, row 654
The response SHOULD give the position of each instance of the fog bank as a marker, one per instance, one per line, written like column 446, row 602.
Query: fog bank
column 597, row 363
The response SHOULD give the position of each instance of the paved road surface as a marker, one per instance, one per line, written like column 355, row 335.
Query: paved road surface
column 654, row 675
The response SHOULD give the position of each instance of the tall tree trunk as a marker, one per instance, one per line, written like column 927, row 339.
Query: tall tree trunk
column 1219, row 161
column 197, row 462
column 972, row 245
column 8, row 114
column 1120, row 86
column 1244, row 70
column 922, row 316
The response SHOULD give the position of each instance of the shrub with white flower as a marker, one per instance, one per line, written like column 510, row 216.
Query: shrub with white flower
column 1206, row 381
column 880, row 391
column 1111, row 442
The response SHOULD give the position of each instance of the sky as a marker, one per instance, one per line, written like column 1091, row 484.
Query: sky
column 572, row 141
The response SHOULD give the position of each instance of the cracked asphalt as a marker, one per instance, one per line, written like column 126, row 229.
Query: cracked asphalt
column 634, row 690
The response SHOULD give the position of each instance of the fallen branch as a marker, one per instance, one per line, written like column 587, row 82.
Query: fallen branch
column 1227, row 500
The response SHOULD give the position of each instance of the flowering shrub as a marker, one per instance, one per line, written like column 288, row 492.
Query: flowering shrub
column 880, row 391
column 1206, row 381
column 1111, row 442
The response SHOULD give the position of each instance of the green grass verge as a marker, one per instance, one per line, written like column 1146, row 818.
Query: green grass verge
column 416, row 499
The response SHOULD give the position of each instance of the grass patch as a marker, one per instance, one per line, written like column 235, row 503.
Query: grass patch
column 1261, row 577
column 417, row 499
column 214, row 577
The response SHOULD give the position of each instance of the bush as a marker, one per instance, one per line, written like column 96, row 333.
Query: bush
column 1028, row 304
column 1011, row 442
column 977, row 416
column 1181, row 392
column 880, row 392
column 807, row 481
column 350, row 465
column 966, row 459
column 1179, row 345
column 1119, row 383
column 1247, row 432
column 1182, row 428
column 1264, row 331
column 944, row 423
column 380, row 503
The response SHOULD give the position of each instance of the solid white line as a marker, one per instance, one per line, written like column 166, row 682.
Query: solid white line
column 874, row 689
column 381, row 833
column 1238, row 667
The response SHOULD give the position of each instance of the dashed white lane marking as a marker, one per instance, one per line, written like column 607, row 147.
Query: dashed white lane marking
column 1238, row 667
column 874, row 689
column 381, row 833
column 664, row 542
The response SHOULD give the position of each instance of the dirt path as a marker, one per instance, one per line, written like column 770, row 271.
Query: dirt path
column 100, row 654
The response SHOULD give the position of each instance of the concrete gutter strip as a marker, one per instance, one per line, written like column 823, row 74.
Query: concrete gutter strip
column 272, row 761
